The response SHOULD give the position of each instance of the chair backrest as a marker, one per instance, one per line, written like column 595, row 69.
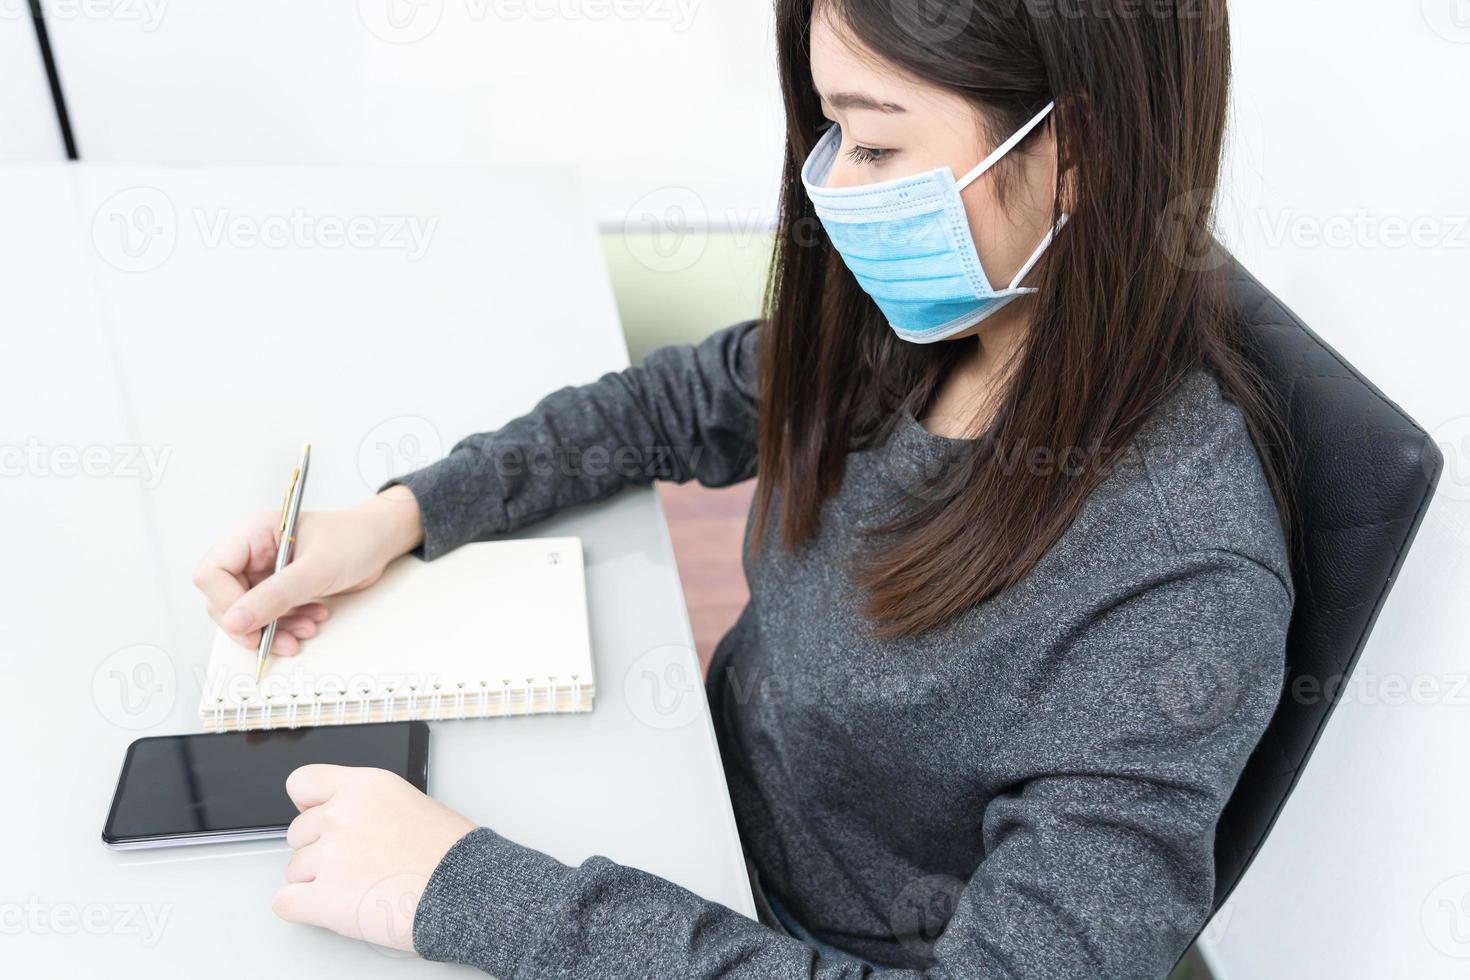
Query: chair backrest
column 1362, row 476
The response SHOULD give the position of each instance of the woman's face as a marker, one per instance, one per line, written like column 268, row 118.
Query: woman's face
column 894, row 125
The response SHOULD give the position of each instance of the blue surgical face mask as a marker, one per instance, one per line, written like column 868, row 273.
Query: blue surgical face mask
column 908, row 242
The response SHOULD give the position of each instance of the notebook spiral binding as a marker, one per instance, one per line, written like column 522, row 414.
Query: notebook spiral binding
column 432, row 702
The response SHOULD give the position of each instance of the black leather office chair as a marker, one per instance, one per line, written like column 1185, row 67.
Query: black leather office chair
column 1362, row 477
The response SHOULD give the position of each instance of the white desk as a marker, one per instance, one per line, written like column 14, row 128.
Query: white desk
column 103, row 636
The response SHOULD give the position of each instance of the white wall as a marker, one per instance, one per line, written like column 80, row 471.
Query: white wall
column 654, row 98
column 1350, row 140
column 1349, row 135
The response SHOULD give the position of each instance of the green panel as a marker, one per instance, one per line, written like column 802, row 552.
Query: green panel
column 678, row 289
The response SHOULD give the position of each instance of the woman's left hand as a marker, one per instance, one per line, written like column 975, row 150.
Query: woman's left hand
column 366, row 843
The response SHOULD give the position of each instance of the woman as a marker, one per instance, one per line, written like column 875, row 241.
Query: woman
column 1022, row 648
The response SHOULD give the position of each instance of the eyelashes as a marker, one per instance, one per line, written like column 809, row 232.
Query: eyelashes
column 865, row 154
column 861, row 155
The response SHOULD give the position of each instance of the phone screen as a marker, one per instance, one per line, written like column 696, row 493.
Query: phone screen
column 181, row 788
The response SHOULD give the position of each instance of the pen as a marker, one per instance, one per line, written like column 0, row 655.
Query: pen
column 290, row 510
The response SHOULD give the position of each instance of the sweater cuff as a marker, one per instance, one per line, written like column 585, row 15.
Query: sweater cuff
column 488, row 903
column 455, row 503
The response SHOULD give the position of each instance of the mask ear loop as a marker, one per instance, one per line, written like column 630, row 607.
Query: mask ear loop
column 1036, row 255
column 990, row 161
column 1005, row 147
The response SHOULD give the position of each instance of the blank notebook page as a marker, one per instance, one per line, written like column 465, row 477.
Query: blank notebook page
column 493, row 628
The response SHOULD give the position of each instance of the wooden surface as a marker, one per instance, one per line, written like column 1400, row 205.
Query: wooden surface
column 707, row 527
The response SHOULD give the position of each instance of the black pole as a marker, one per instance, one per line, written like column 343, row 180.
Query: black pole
column 57, row 99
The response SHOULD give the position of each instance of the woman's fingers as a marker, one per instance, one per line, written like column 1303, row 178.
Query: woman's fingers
column 302, row 866
column 298, row 626
column 284, row 644
column 221, row 575
column 317, row 612
column 333, row 551
column 294, row 585
column 234, row 565
column 301, row 622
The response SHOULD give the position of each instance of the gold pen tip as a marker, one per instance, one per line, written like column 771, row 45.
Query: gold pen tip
column 259, row 671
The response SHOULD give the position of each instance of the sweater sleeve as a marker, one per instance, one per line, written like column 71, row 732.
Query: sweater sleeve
column 1099, row 862
column 686, row 413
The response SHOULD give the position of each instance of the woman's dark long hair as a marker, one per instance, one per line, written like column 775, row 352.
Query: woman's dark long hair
column 1127, row 305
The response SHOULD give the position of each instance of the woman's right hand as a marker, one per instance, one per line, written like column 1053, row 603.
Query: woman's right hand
column 335, row 552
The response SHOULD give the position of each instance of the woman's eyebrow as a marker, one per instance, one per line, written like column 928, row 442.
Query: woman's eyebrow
column 857, row 100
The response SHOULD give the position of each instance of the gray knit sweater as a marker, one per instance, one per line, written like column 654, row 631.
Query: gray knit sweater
column 1030, row 790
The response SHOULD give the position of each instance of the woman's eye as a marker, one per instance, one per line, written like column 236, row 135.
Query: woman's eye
column 865, row 154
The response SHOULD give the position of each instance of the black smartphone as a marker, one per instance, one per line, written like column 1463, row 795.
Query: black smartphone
column 231, row 786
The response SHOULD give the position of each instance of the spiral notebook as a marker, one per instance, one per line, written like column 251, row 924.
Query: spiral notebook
column 492, row 628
